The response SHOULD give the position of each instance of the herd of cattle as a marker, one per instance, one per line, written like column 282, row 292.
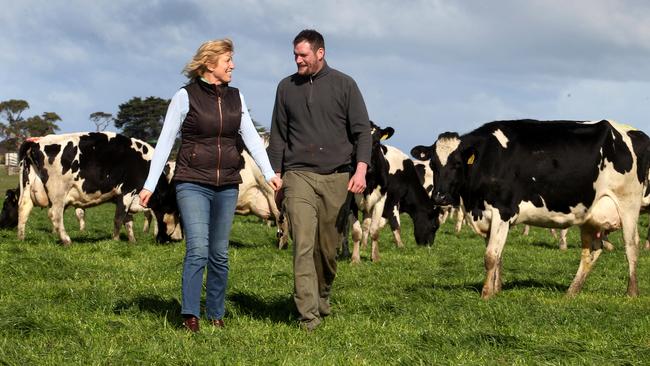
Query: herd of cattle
column 555, row 174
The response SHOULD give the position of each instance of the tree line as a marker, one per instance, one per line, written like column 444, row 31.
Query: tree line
column 139, row 118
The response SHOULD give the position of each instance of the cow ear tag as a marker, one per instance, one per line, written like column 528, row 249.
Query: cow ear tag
column 470, row 161
column 384, row 137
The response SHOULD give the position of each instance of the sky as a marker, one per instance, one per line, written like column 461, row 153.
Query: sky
column 423, row 67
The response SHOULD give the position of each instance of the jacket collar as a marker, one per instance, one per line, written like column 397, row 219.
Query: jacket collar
column 211, row 88
column 321, row 73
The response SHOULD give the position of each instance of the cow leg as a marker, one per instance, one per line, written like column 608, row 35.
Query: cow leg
column 283, row 231
column 563, row 243
column 365, row 230
column 395, row 225
column 56, row 215
column 631, row 239
column 357, row 233
column 460, row 216
column 647, row 240
column 25, row 206
column 128, row 225
column 117, row 222
column 375, row 229
column 376, row 224
column 591, row 249
column 81, row 218
column 607, row 244
column 496, row 240
column 147, row 221
column 444, row 215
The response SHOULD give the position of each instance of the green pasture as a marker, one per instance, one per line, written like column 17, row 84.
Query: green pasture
column 104, row 302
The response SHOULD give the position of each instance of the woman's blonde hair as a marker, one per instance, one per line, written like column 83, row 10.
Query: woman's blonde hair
column 208, row 53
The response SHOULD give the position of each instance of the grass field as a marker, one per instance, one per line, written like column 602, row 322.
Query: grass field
column 105, row 302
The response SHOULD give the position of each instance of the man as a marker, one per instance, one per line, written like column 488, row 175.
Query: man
column 320, row 143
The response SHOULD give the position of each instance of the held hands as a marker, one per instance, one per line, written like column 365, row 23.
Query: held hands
column 357, row 183
column 276, row 182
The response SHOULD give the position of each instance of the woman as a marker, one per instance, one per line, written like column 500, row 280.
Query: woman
column 213, row 120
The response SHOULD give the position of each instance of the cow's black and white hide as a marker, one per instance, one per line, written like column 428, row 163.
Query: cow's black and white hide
column 87, row 169
column 393, row 185
column 550, row 174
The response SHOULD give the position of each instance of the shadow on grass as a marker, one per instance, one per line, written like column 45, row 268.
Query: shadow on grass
column 278, row 309
column 170, row 309
column 546, row 245
column 508, row 285
column 529, row 283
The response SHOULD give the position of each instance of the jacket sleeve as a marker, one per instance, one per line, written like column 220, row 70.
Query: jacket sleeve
column 254, row 142
column 278, row 138
column 176, row 112
column 359, row 124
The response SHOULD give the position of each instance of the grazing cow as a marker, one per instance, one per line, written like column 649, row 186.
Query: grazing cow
column 9, row 217
column 258, row 198
column 9, row 214
column 87, row 169
column 549, row 174
column 392, row 185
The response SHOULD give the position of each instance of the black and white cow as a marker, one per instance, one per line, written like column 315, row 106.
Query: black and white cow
column 550, row 174
column 9, row 218
column 392, row 185
column 87, row 169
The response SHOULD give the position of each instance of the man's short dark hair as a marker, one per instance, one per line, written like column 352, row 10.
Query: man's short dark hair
column 312, row 37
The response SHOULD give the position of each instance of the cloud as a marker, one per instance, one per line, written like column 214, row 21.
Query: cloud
column 424, row 66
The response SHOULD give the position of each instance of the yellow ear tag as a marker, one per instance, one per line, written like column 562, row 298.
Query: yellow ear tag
column 470, row 161
column 384, row 137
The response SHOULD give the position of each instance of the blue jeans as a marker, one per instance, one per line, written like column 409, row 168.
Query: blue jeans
column 207, row 213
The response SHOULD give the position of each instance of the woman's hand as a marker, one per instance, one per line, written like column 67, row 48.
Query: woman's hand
column 144, row 195
column 276, row 182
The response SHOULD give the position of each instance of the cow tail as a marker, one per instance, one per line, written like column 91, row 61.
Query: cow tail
column 25, row 161
column 645, row 161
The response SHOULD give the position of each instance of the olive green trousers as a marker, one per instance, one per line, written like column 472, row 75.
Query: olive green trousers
column 313, row 202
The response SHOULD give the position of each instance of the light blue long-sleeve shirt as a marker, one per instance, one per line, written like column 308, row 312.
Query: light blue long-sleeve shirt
column 176, row 112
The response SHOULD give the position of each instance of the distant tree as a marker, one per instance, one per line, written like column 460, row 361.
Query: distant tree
column 142, row 118
column 14, row 128
column 10, row 110
column 259, row 127
column 42, row 125
column 101, row 120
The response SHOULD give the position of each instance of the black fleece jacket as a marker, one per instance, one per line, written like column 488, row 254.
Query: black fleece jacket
column 320, row 123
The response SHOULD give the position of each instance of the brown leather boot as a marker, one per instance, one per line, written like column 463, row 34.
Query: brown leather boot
column 218, row 323
column 191, row 323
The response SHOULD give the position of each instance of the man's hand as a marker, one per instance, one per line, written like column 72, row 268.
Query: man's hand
column 357, row 183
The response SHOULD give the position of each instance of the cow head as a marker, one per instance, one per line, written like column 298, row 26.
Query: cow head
column 426, row 226
column 379, row 134
column 377, row 174
column 9, row 214
column 450, row 164
column 163, row 204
